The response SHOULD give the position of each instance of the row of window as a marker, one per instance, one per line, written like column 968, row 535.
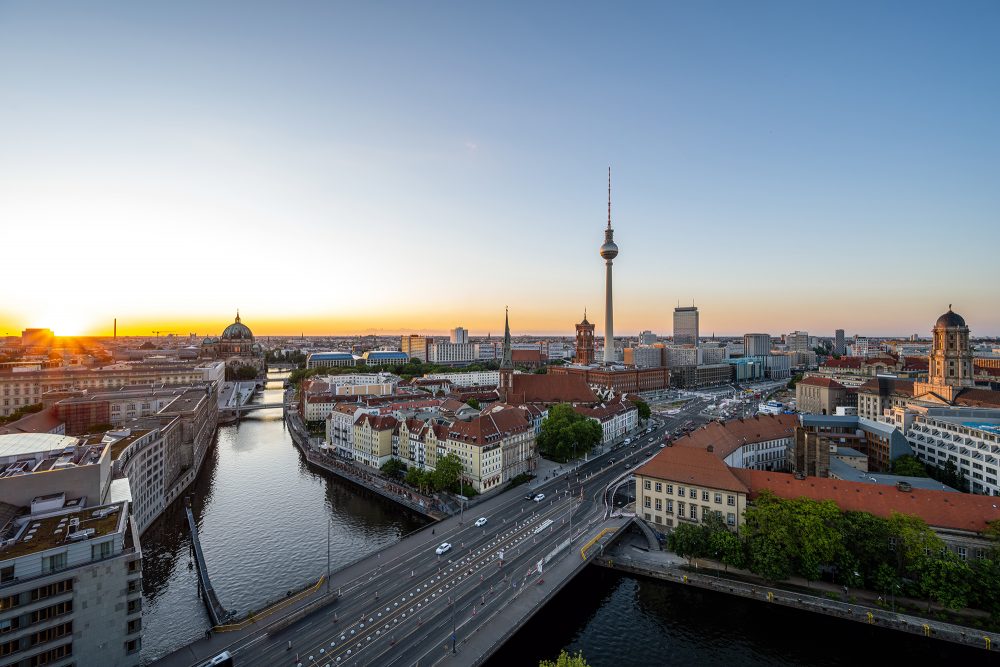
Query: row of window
column 660, row 487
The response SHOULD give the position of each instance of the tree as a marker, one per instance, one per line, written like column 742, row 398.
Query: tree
column 866, row 540
column 447, row 472
column 394, row 468
column 688, row 541
column 913, row 538
column 794, row 381
column 566, row 660
column 768, row 559
column 946, row 579
column 566, row 433
column 473, row 403
column 643, row 407
column 727, row 547
column 986, row 574
column 418, row 479
column 908, row 466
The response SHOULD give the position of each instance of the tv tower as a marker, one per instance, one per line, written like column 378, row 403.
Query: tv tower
column 609, row 251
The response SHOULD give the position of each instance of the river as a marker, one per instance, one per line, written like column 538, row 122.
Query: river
column 262, row 515
column 618, row 620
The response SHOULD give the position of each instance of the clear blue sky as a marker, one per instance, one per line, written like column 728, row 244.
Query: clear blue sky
column 789, row 165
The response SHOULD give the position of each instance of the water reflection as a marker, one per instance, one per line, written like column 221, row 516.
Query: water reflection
column 262, row 513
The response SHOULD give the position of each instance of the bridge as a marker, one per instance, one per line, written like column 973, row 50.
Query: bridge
column 248, row 407
column 216, row 611
column 408, row 605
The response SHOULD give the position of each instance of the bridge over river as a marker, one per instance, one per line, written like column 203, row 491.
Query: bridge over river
column 406, row 605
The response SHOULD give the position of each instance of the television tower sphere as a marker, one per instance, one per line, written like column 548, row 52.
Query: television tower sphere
column 610, row 249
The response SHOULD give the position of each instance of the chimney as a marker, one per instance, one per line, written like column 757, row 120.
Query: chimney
column 710, row 449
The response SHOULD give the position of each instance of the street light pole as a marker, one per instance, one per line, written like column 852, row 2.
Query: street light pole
column 328, row 522
column 454, row 628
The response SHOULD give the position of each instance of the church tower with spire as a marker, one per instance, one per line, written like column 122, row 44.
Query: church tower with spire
column 584, row 342
column 507, row 363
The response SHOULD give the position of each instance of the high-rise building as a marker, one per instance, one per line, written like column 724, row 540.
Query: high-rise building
column 686, row 325
column 797, row 341
column 584, row 341
column 756, row 344
column 647, row 338
column 415, row 346
column 459, row 336
column 70, row 557
column 839, row 347
column 609, row 251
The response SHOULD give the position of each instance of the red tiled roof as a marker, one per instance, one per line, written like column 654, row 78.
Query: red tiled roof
column 690, row 465
column 726, row 437
column 377, row 422
column 43, row 421
column 531, row 388
column 526, row 356
column 815, row 381
column 491, row 426
column 940, row 509
column 885, row 386
column 607, row 411
column 843, row 362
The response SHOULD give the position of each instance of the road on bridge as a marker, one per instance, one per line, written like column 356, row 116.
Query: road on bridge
column 412, row 606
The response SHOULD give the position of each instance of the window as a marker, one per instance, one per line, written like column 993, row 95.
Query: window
column 646, row 502
column 963, row 553
column 670, row 508
column 57, row 588
column 731, row 519
column 680, row 509
column 731, row 500
column 693, row 512
column 718, row 499
column 693, row 493
column 645, row 484
column 6, row 573
column 134, row 626
column 659, row 487
column 99, row 551
column 133, row 645
column 680, row 491
column 659, row 505
column 670, row 489
column 53, row 563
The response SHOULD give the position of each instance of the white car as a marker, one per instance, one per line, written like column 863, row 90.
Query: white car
column 628, row 441
column 481, row 521
column 540, row 497
column 444, row 548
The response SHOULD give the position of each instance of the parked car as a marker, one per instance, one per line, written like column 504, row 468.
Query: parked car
column 480, row 522
column 444, row 548
column 540, row 497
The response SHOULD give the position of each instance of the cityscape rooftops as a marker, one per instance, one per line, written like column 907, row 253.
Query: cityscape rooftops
column 23, row 444
column 814, row 381
column 842, row 470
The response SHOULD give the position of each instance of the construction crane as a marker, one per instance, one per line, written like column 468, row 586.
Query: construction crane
column 163, row 332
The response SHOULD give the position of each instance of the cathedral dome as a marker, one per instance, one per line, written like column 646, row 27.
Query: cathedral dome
column 950, row 320
column 237, row 331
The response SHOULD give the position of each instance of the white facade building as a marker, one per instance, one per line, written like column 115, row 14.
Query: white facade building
column 451, row 353
column 968, row 437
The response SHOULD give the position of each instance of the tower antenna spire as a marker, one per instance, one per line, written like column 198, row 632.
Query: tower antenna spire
column 609, row 196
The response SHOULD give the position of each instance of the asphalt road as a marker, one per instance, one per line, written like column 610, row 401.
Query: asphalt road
column 404, row 609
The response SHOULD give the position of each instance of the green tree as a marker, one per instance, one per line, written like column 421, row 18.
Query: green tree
column 913, row 538
column 643, row 407
column 946, row 579
column 565, row 660
column 866, row 541
column 727, row 547
column 908, row 466
column 415, row 477
column 816, row 533
column 447, row 472
column 768, row 559
column 566, row 433
column 473, row 403
column 688, row 541
column 394, row 468
column 986, row 575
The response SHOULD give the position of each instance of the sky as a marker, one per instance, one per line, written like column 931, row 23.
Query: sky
column 338, row 167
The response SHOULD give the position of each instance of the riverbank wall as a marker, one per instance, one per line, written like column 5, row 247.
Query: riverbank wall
column 861, row 614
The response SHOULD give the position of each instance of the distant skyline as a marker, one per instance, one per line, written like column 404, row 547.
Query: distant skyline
column 331, row 168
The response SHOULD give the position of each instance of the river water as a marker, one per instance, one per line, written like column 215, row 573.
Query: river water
column 617, row 620
column 262, row 515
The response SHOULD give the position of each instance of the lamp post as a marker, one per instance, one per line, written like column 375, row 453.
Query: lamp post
column 454, row 627
column 328, row 523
